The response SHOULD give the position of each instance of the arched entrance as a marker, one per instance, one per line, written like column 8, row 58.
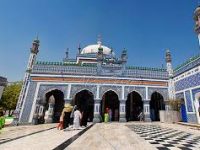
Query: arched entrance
column 85, row 102
column 134, row 106
column 110, row 100
column 156, row 104
column 53, row 106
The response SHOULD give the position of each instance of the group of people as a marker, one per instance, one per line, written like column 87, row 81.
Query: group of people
column 71, row 117
column 108, row 115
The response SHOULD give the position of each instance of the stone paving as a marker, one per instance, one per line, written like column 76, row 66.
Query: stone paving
column 48, row 137
column 12, row 132
column 164, row 138
column 110, row 136
column 106, row 136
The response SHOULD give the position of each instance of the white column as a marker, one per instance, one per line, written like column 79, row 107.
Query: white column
column 199, row 38
column 68, row 91
column 97, row 96
column 196, row 103
column 96, row 108
column 185, row 102
column 146, row 109
column 96, row 111
column 122, row 113
column 191, row 97
column 122, row 92
column 146, row 89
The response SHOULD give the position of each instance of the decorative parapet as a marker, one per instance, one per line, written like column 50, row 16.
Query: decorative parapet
column 145, row 72
column 146, row 68
column 91, row 69
column 189, row 64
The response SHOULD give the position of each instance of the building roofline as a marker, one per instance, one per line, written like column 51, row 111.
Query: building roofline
column 188, row 61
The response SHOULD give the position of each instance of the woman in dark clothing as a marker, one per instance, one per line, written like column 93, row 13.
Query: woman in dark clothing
column 66, row 119
column 67, row 112
column 84, row 119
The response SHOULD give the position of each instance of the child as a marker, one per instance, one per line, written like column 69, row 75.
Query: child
column 106, row 115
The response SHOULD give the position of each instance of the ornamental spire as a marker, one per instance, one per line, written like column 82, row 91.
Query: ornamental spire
column 99, row 40
column 35, row 46
column 67, row 53
column 168, row 57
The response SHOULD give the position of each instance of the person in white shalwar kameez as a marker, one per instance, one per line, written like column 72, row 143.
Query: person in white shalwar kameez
column 77, row 119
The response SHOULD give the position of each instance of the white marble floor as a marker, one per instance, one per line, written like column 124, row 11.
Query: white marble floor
column 101, row 136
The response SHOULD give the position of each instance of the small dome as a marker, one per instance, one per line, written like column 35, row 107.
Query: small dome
column 196, row 13
column 91, row 49
column 197, row 9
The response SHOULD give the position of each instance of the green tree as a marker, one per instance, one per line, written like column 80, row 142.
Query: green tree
column 10, row 96
column 175, row 104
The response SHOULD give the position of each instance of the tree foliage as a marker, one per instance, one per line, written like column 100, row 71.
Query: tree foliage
column 175, row 104
column 10, row 96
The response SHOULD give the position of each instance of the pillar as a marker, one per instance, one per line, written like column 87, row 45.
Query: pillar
column 97, row 116
column 167, row 106
column 146, row 109
column 122, row 113
column 49, row 114
column 35, row 115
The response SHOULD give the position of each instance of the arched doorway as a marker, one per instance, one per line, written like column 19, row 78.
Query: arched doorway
column 156, row 104
column 53, row 106
column 110, row 100
column 85, row 102
column 134, row 106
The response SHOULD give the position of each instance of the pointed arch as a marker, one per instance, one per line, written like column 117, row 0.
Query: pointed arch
column 84, row 100
column 156, row 104
column 134, row 106
column 53, row 103
column 110, row 100
column 77, row 88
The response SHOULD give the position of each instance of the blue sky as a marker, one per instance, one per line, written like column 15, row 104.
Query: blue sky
column 146, row 28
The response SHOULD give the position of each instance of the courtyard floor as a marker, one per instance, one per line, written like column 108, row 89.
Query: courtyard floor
column 106, row 136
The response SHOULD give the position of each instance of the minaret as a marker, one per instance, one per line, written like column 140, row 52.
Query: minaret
column 124, row 56
column 124, row 59
column 32, row 58
column 171, row 89
column 99, row 56
column 67, row 53
column 197, row 22
column 169, row 63
column 79, row 48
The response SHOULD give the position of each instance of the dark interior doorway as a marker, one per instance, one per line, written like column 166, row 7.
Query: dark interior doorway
column 134, row 106
column 156, row 104
column 110, row 100
column 58, row 105
column 85, row 102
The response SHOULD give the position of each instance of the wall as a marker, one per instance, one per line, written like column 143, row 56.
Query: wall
column 37, row 90
column 187, row 85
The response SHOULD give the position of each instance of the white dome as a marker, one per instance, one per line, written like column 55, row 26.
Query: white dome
column 94, row 49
